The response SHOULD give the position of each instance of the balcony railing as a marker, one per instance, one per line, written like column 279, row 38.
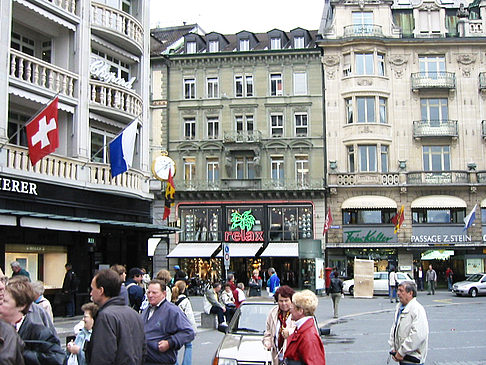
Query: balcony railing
column 433, row 80
column 351, row 179
column 482, row 80
column 483, row 128
column 363, row 30
column 117, row 21
column 69, row 169
column 116, row 98
column 249, row 184
column 437, row 177
column 481, row 176
column 67, row 5
column 42, row 74
column 435, row 128
column 242, row 137
column 292, row 184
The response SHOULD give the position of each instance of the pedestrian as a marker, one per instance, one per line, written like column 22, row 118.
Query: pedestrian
column 305, row 344
column 231, row 282
column 336, row 290
column 449, row 276
column 118, row 336
column 12, row 346
column 240, row 294
column 69, row 289
column 409, row 333
column 255, row 284
column 420, row 278
column 135, row 291
column 40, row 300
column 166, row 327
column 180, row 299
column 279, row 324
column 212, row 305
column 273, row 282
column 122, row 272
column 76, row 347
column 179, row 274
column 392, row 282
column 431, row 278
column 163, row 275
column 18, row 270
column 228, row 300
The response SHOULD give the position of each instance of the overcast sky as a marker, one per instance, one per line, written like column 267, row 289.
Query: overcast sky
column 232, row 16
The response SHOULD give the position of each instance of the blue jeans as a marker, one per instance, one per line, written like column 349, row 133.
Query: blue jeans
column 392, row 290
column 449, row 283
column 187, row 359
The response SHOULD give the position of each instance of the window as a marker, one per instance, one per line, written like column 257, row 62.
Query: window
column 364, row 64
column 16, row 130
column 277, row 166
column 383, row 115
column 300, row 83
column 299, row 42
column 213, row 128
column 301, row 124
column 384, row 158
column 367, row 158
column 189, row 88
column 189, row 128
column 347, row 70
column 243, row 88
column 99, row 141
column 191, row 47
column 351, row 166
column 200, row 224
column 124, row 5
column 22, row 44
column 276, row 127
column 213, row 46
column 276, row 85
column 289, row 223
column 275, row 43
column 244, row 123
column 434, row 216
column 348, row 102
column 368, row 216
column 432, row 66
column 363, row 22
column 249, row 85
column 380, row 58
column 436, row 158
column 212, row 87
column 245, row 167
column 434, row 110
column 429, row 22
column 366, row 109
column 189, row 168
column 244, row 44
column 212, row 169
column 46, row 51
column 302, row 170
column 119, row 68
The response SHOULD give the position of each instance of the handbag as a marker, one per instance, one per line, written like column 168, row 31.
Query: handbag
column 72, row 360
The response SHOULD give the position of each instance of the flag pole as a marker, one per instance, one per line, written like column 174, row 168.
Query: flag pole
column 30, row 120
column 106, row 144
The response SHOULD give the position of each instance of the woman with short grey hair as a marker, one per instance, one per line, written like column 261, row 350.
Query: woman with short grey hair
column 38, row 287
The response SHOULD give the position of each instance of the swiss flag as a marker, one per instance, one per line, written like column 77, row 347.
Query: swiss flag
column 43, row 132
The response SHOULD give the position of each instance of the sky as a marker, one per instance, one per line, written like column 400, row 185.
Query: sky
column 232, row 16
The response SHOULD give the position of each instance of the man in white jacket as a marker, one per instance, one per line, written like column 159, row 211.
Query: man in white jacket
column 409, row 333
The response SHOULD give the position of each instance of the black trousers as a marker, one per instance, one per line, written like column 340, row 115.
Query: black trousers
column 219, row 312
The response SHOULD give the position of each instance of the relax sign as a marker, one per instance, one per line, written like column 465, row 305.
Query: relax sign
column 245, row 222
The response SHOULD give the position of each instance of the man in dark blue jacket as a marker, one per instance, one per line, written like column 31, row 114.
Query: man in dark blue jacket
column 135, row 291
column 167, row 328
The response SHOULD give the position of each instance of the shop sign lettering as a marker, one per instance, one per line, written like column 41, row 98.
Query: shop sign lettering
column 18, row 186
column 441, row 238
column 243, row 236
column 245, row 221
column 370, row 236
column 101, row 70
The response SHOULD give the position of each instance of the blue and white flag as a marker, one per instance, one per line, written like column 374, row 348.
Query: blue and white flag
column 468, row 221
column 121, row 149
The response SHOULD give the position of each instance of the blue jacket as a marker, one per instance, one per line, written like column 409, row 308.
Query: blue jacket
column 167, row 323
column 273, row 283
column 135, row 294
column 83, row 336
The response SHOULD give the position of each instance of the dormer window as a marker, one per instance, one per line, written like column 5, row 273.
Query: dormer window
column 244, row 44
column 213, row 46
column 299, row 42
column 275, row 43
column 191, row 47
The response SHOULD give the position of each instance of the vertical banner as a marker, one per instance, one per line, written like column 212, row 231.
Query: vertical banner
column 320, row 276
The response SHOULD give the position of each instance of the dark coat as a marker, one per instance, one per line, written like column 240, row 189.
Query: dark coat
column 255, row 285
column 42, row 347
column 305, row 345
column 135, row 294
column 336, row 286
column 70, row 282
column 11, row 346
column 118, row 336
column 21, row 272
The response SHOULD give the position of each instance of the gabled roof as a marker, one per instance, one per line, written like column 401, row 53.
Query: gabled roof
column 164, row 39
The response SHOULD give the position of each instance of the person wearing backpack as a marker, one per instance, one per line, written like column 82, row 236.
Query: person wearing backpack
column 180, row 299
column 69, row 289
column 135, row 291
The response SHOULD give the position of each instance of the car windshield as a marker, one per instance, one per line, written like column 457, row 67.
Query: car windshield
column 474, row 277
column 250, row 319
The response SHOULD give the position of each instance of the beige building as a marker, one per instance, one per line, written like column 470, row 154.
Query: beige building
column 405, row 108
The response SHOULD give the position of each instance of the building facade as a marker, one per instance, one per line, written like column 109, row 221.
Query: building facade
column 405, row 109
column 95, row 56
column 245, row 128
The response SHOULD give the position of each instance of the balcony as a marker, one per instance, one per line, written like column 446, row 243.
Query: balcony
column 113, row 100
column 356, row 179
column 292, row 184
column 242, row 137
column 66, row 5
column 249, row 184
column 363, row 30
column 481, row 176
column 116, row 25
column 435, row 128
column 72, row 171
column 437, row 177
column 482, row 81
column 35, row 73
column 433, row 80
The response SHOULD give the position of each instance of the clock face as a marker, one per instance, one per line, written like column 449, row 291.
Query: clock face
column 161, row 167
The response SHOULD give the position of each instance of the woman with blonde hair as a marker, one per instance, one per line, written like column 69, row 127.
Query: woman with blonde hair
column 304, row 346
column 180, row 299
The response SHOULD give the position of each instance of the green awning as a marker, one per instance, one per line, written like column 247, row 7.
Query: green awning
column 437, row 254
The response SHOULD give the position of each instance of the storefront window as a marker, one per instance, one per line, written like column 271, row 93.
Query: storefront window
column 361, row 216
column 201, row 224
column 434, row 216
column 205, row 269
column 290, row 223
column 249, row 218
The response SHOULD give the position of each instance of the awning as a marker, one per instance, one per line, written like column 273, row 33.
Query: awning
column 8, row 220
column 281, row 249
column 369, row 202
column 438, row 201
column 40, row 99
column 194, row 250
column 243, row 249
column 483, row 204
column 59, row 225
column 47, row 14
column 437, row 255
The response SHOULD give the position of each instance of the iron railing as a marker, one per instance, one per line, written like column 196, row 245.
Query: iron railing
column 242, row 137
column 482, row 80
column 250, row 184
column 433, row 80
column 437, row 177
column 363, row 30
column 435, row 128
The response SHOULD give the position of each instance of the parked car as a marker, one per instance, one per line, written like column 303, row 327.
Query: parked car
column 380, row 282
column 474, row 285
column 242, row 343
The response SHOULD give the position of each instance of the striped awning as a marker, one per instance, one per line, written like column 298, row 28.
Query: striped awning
column 438, row 201
column 281, row 249
column 194, row 250
column 369, row 202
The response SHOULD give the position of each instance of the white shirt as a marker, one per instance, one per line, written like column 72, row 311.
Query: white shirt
column 301, row 321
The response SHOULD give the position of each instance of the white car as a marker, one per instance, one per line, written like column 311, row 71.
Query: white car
column 380, row 282
column 474, row 285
